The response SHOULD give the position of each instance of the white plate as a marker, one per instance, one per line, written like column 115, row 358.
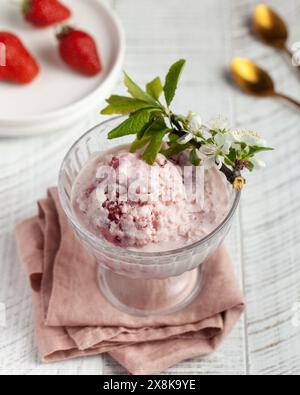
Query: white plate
column 59, row 97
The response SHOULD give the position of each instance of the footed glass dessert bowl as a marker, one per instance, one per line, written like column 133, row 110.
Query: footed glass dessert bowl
column 138, row 281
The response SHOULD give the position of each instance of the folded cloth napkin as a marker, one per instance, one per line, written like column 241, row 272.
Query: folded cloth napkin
column 73, row 319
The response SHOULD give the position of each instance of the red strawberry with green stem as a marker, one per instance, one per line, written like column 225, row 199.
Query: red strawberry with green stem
column 43, row 13
column 79, row 50
column 20, row 65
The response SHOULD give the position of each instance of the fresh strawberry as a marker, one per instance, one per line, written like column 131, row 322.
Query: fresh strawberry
column 43, row 13
column 20, row 65
column 78, row 50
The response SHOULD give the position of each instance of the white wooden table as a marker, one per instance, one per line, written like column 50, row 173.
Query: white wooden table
column 265, row 241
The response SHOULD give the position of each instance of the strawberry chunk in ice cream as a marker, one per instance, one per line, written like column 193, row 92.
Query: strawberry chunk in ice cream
column 122, row 199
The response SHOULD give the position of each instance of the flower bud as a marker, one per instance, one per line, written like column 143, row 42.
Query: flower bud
column 239, row 183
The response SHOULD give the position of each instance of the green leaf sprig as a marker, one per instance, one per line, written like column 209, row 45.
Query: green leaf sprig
column 158, row 130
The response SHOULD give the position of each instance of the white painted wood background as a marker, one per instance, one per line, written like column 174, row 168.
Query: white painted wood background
column 265, row 240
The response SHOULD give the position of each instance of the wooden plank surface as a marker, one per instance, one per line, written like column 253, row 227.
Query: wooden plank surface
column 265, row 239
column 270, row 214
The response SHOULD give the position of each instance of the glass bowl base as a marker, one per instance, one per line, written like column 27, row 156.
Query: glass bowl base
column 145, row 297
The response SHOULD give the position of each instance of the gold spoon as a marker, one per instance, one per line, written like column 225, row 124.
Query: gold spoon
column 271, row 28
column 255, row 80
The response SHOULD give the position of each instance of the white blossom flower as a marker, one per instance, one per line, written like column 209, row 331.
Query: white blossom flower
column 194, row 122
column 186, row 138
column 258, row 163
column 249, row 137
column 209, row 160
column 223, row 141
column 219, row 123
column 296, row 54
column 212, row 153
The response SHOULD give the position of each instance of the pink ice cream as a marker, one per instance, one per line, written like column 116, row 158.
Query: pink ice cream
column 119, row 197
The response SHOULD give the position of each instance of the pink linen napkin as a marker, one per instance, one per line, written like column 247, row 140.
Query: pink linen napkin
column 73, row 319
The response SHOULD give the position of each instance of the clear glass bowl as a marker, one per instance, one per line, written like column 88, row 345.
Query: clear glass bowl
column 138, row 283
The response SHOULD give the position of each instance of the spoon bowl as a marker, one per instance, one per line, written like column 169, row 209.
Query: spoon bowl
column 252, row 78
column 270, row 27
column 256, row 81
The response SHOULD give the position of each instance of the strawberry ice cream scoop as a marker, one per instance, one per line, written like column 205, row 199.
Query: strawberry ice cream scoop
column 121, row 198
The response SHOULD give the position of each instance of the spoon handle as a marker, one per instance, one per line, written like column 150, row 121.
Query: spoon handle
column 288, row 98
